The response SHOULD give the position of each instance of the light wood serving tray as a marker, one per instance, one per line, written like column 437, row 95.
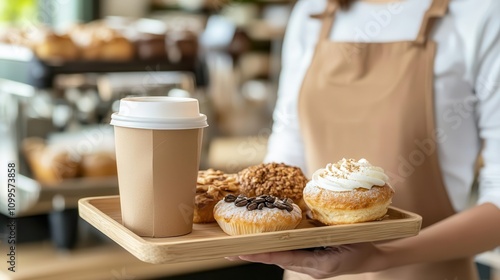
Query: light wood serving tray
column 208, row 241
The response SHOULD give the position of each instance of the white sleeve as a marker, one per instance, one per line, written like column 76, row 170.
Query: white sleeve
column 285, row 143
column 487, row 87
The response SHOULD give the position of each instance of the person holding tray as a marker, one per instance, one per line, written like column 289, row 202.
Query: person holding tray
column 412, row 86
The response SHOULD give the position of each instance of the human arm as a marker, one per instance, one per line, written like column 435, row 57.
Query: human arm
column 464, row 234
column 477, row 229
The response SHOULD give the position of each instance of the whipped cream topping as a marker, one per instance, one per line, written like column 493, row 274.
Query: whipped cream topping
column 349, row 174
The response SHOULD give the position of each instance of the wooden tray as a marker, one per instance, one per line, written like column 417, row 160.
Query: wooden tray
column 208, row 241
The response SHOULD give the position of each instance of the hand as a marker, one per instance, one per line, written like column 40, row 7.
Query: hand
column 324, row 263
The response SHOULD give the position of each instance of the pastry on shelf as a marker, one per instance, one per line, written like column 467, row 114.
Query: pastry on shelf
column 50, row 165
column 57, row 48
column 98, row 164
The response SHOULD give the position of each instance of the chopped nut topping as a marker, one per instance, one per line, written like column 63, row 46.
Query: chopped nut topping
column 217, row 183
column 277, row 179
column 212, row 185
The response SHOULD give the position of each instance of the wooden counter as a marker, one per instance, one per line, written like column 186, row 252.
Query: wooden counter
column 41, row 261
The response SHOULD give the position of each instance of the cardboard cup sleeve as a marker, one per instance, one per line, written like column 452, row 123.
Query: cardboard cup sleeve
column 157, row 172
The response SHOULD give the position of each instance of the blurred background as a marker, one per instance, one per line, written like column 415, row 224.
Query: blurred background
column 64, row 64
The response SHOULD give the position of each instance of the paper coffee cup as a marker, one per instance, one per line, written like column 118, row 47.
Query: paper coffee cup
column 158, row 144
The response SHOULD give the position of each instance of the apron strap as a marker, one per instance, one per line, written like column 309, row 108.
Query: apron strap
column 437, row 10
column 327, row 18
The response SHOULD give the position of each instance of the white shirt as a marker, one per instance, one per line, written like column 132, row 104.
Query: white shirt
column 467, row 82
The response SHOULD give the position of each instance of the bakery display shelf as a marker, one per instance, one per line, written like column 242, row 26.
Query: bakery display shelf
column 208, row 241
column 41, row 74
column 72, row 190
column 36, row 198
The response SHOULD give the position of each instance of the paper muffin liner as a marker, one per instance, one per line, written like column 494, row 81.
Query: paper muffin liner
column 233, row 228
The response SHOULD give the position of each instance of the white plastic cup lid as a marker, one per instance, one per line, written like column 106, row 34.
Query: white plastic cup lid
column 159, row 112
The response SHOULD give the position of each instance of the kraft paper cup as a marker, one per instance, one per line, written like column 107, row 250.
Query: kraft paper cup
column 158, row 144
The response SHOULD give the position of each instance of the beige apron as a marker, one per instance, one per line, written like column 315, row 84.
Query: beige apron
column 375, row 101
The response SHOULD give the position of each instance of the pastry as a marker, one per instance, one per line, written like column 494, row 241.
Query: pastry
column 98, row 41
column 277, row 179
column 56, row 47
column 237, row 215
column 151, row 46
column 117, row 48
column 187, row 44
column 50, row 165
column 98, row 164
column 212, row 186
column 347, row 192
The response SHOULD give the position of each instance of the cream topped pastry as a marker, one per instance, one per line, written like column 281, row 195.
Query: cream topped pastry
column 349, row 191
column 349, row 174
